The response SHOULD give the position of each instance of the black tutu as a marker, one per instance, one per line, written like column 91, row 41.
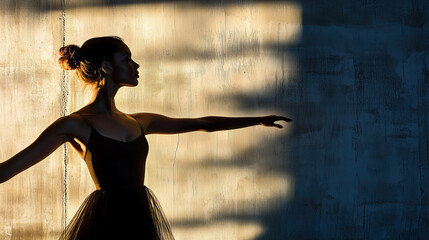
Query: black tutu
column 119, row 214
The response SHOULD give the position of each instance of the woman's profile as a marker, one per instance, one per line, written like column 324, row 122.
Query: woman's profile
column 114, row 146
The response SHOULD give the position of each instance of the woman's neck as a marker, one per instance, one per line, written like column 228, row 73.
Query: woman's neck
column 103, row 100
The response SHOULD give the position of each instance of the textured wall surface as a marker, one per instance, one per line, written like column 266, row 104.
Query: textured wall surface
column 352, row 74
column 360, row 143
column 31, row 205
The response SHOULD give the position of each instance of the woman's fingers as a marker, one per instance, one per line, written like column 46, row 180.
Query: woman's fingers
column 269, row 121
column 286, row 119
column 283, row 118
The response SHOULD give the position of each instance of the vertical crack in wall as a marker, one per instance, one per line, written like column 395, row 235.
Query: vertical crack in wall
column 63, row 104
column 174, row 168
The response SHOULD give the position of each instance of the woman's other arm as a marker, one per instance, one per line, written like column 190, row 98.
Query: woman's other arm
column 159, row 124
column 48, row 141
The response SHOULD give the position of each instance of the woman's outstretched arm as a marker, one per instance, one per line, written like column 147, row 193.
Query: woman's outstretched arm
column 159, row 124
column 48, row 141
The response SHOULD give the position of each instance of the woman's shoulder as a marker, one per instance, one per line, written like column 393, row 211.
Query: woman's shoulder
column 73, row 121
column 145, row 117
column 69, row 120
column 75, row 117
column 72, row 126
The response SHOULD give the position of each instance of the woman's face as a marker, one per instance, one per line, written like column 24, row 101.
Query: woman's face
column 124, row 69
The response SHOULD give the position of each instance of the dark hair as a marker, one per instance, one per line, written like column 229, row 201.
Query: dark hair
column 88, row 58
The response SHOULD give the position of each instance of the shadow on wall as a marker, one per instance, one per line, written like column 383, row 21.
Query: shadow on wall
column 357, row 148
column 53, row 5
column 326, row 13
column 359, row 137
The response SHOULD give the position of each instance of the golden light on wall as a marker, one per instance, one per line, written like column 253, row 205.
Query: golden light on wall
column 190, row 56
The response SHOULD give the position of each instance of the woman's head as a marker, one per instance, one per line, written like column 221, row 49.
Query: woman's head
column 89, row 60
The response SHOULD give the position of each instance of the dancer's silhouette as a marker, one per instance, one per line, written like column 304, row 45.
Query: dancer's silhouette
column 114, row 146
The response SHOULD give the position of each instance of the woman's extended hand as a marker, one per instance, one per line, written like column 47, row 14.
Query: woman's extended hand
column 268, row 121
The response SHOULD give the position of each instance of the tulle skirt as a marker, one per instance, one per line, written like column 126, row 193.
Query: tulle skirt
column 119, row 214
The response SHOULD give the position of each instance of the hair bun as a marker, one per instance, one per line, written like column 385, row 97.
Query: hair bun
column 70, row 58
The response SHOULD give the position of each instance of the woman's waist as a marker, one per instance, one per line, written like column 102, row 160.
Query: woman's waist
column 119, row 187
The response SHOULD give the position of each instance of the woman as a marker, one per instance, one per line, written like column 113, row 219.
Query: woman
column 113, row 145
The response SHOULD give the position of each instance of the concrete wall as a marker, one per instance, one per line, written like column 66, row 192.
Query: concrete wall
column 352, row 75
